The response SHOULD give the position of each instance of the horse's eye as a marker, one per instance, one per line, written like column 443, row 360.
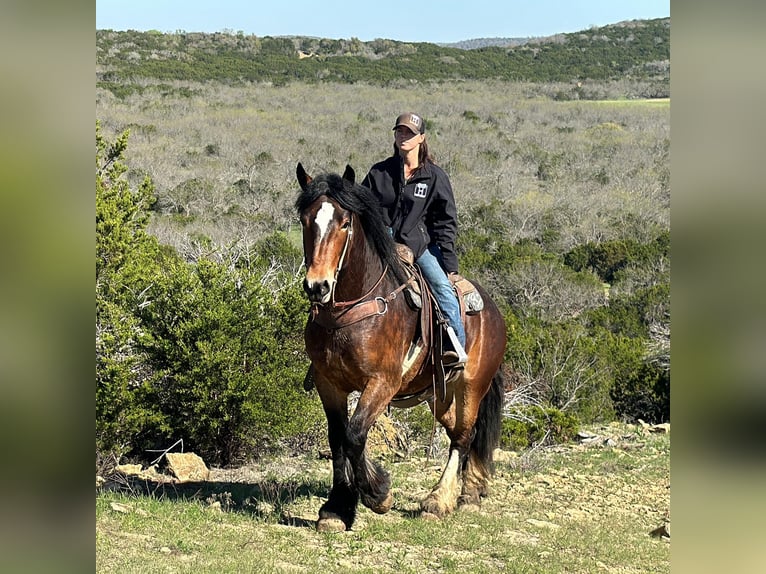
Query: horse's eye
column 346, row 225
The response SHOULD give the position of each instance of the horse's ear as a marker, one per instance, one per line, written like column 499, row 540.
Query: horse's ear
column 349, row 174
column 303, row 178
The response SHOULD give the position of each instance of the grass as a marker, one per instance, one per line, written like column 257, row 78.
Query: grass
column 570, row 508
column 659, row 102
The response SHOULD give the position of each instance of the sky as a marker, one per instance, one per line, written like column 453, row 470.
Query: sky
column 435, row 21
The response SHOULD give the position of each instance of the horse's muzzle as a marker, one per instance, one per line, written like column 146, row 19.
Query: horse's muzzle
column 317, row 291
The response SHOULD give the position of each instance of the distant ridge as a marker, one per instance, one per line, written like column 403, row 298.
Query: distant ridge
column 476, row 43
column 633, row 50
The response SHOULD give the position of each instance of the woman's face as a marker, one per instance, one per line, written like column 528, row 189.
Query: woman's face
column 406, row 139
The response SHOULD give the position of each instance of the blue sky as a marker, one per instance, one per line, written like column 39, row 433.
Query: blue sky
column 414, row 21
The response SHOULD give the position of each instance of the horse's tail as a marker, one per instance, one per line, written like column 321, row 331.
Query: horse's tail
column 489, row 423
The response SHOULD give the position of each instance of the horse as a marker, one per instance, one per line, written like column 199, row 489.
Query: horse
column 359, row 337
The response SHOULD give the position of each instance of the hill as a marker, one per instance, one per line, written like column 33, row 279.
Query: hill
column 637, row 49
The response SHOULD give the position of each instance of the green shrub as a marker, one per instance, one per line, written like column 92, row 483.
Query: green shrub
column 535, row 425
column 640, row 389
column 643, row 393
column 607, row 259
column 203, row 352
column 126, row 259
column 229, row 361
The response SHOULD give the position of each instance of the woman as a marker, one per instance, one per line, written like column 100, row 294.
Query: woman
column 419, row 207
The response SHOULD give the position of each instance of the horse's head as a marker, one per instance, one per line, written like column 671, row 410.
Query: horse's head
column 327, row 230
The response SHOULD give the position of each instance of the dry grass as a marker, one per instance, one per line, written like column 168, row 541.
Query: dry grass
column 546, row 162
column 571, row 508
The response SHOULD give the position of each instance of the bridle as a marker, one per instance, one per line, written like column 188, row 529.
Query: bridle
column 343, row 313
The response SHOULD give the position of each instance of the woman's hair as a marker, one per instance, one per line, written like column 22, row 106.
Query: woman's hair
column 424, row 155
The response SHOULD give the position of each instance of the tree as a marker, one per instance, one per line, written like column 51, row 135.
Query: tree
column 125, row 257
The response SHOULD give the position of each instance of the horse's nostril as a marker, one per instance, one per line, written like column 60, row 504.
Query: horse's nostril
column 316, row 290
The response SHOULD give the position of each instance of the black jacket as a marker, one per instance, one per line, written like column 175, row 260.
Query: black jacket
column 421, row 211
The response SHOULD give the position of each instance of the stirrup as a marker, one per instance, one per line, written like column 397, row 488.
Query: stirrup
column 458, row 351
column 451, row 360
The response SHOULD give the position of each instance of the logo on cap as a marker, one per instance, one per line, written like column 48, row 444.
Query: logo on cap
column 412, row 121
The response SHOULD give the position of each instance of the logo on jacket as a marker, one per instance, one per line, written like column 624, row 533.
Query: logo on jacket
column 421, row 189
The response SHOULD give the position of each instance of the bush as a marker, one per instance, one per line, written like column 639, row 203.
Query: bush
column 229, row 361
column 534, row 425
column 644, row 393
column 126, row 259
column 203, row 352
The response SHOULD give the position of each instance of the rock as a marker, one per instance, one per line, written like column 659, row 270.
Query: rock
column 128, row 469
column 660, row 428
column 151, row 473
column 187, row 466
column 118, row 507
column 384, row 438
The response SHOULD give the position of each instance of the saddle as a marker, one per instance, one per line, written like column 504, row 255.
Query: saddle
column 432, row 329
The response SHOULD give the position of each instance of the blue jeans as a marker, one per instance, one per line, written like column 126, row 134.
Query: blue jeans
column 441, row 287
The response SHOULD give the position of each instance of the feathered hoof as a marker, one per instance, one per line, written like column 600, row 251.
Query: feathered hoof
column 384, row 506
column 470, row 503
column 435, row 507
column 331, row 525
column 469, row 507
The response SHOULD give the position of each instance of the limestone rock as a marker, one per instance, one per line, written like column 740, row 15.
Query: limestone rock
column 187, row 466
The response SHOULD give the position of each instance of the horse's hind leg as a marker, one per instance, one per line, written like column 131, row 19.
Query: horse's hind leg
column 473, row 426
column 443, row 497
column 486, row 435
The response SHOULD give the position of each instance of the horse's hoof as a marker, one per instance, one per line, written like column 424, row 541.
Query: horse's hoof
column 384, row 506
column 469, row 507
column 435, row 508
column 331, row 525
column 470, row 503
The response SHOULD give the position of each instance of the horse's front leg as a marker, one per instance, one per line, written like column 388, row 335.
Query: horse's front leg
column 372, row 481
column 338, row 513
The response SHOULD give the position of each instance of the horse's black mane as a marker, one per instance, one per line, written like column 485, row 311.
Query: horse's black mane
column 360, row 201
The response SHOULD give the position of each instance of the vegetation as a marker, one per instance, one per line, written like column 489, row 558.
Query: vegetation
column 573, row 508
column 204, row 352
column 635, row 49
column 564, row 217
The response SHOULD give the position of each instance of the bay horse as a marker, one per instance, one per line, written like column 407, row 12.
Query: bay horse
column 359, row 338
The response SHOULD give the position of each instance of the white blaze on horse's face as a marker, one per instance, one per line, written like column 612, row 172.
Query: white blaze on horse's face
column 324, row 242
column 323, row 219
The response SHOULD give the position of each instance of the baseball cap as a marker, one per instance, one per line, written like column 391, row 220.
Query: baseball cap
column 412, row 121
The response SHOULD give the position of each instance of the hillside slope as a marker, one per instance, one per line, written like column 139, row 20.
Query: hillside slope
column 637, row 49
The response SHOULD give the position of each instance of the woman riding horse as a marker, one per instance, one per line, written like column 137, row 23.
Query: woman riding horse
column 361, row 336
